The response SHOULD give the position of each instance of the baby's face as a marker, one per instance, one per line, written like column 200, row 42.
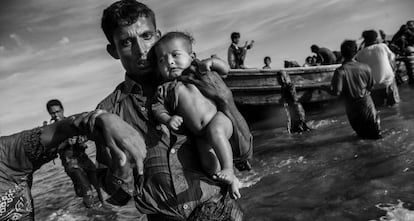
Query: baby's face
column 173, row 57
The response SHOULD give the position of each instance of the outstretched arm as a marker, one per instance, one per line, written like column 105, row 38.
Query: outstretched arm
column 108, row 129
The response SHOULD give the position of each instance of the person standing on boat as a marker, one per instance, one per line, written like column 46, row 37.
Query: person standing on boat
column 353, row 82
column 236, row 54
column 294, row 110
column 324, row 55
column 380, row 59
column 267, row 60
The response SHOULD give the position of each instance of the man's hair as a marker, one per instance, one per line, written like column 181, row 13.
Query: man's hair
column 349, row 48
column 123, row 13
column 370, row 36
column 53, row 102
column 265, row 58
column 234, row 35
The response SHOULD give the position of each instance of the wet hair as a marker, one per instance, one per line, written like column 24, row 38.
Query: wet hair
column 123, row 13
column 53, row 102
column 235, row 35
column 265, row 58
column 314, row 47
column 349, row 48
column 370, row 36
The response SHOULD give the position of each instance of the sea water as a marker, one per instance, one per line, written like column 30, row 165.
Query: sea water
column 325, row 174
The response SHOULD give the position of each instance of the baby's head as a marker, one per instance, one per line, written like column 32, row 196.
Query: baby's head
column 173, row 54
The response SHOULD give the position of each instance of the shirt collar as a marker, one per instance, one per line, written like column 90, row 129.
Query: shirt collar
column 236, row 46
column 132, row 87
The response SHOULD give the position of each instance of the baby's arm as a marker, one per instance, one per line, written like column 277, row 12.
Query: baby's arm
column 214, row 64
column 172, row 122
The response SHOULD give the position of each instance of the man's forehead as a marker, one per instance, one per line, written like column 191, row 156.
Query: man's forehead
column 55, row 108
column 142, row 24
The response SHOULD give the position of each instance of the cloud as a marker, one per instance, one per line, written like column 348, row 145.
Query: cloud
column 17, row 39
column 64, row 41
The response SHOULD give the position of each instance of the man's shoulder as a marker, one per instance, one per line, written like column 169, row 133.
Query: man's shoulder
column 109, row 101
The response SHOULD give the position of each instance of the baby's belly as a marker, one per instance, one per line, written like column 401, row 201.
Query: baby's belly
column 196, row 110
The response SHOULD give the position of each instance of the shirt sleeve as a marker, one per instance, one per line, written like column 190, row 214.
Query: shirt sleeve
column 159, row 101
column 337, row 82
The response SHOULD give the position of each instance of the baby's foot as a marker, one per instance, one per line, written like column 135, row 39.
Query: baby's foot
column 225, row 176
column 234, row 189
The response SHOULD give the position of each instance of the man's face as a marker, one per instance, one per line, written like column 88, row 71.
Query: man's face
column 132, row 44
column 56, row 113
column 173, row 57
column 236, row 40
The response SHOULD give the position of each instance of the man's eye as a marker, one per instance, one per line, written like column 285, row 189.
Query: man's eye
column 147, row 35
column 161, row 60
column 126, row 42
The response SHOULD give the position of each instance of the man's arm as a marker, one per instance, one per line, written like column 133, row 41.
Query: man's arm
column 336, row 84
column 213, row 87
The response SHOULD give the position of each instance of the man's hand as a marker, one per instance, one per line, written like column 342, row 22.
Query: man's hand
column 121, row 138
column 210, row 84
column 175, row 122
column 249, row 46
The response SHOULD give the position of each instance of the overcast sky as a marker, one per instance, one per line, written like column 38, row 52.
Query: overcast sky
column 55, row 48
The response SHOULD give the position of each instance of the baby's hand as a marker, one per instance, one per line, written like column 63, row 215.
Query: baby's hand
column 175, row 122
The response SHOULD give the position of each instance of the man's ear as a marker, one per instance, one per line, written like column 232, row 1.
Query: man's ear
column 193, row 56
column 111, row 49
column 158, row 34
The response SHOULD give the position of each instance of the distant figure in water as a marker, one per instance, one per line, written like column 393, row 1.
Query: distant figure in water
column 78, row 166
column 267, row 60
column 236, row 54
column 294, row 110
column 353, row 82
column 324, row 55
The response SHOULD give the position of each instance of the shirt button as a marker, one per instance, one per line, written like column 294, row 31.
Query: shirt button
column 143, row 109
column 173, row 151
column 185, row 206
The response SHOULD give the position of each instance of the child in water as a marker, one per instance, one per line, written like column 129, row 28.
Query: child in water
column 294, row 110
column 180, row 103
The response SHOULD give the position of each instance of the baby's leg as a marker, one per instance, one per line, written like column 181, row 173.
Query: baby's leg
column 218, row 132
column 208, row 158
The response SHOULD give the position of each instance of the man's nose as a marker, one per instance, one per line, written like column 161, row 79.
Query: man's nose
column 141, row 48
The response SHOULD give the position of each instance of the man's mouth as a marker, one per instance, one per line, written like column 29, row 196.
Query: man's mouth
column 143, row 63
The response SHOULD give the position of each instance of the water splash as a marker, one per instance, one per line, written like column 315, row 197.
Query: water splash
column 395, row 212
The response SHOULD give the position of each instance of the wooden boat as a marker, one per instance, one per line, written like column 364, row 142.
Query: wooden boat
column 259, row 87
